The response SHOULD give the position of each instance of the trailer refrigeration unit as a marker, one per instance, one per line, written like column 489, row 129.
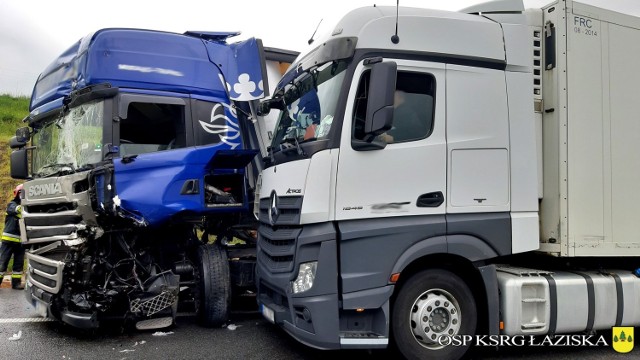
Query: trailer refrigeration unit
column 471, row 172
column 140, row 150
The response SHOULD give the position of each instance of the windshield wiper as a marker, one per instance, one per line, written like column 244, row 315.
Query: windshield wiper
column 287, row 145
column 59, row 169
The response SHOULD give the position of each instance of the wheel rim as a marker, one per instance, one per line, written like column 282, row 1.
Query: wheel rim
column 434, row 314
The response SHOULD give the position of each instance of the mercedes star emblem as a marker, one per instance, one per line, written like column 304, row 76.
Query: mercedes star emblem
column 274, row 212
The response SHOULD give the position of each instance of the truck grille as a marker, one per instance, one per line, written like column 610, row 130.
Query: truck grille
column 289, row 208
column 51, row 226
column 276, row 248
column 63, row 215
column 277, row 241
column 537, row 63
column 45, row 273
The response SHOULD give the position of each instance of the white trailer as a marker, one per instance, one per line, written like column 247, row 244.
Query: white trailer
column 590, row 137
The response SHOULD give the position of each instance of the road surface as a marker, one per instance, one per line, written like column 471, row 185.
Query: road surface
column 252, row 338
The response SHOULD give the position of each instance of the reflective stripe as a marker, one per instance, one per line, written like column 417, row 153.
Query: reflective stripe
column 18, row 212
column 8, row 237
column 16, row 276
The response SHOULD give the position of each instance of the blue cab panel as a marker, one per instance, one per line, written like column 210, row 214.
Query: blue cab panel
column 196, row 63
column 150, row 188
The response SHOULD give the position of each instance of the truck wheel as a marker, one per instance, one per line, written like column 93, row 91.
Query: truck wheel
column 432, row 306
column 214, row 285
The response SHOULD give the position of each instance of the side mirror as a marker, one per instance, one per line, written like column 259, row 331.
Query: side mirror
column 15, row 144
column 265, row 106
column 19, row 164
column 23, row 134
column 381, row 92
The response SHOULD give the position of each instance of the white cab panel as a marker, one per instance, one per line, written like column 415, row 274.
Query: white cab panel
column 286, row 179
column 477, row 125
column 317, row 205
column 487, row 169
column 423, row 30
column 525, row 232
column 523, row 154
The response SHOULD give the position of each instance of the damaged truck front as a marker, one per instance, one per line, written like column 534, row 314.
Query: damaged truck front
column 139, row 150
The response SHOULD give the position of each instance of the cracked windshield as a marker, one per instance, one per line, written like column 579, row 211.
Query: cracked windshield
column 310, row 105
column 70, row 142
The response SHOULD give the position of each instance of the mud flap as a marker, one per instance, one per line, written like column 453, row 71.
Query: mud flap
column 490, row 280
column 158, row 305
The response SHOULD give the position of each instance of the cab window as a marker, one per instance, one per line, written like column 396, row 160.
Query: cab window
column 413, row 107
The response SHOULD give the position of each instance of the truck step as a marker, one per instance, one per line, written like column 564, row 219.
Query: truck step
column 359, row 335
column 534, row 325
column 356, row 340
column 534, row 300
column 157, row 323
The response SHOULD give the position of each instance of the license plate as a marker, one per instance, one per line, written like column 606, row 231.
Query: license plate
column 268, row 313
column 41, row 308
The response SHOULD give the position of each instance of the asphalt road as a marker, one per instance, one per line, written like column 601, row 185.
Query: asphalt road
column 253, row 338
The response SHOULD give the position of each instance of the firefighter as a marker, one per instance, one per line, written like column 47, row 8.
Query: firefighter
column 11, row 241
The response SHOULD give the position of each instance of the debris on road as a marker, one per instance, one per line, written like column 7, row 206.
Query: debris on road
column 126, row 350
column 233, row 326
column 16, row 336
column 139, row 343
column 160, row 333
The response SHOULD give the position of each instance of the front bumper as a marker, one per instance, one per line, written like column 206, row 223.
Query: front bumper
column 311, row 317
column 42, row 300
column 314, row 320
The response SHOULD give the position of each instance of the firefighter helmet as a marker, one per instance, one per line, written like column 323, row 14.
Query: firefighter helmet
column 17, row 190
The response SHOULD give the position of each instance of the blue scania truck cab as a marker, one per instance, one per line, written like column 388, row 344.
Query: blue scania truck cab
column 139, row 157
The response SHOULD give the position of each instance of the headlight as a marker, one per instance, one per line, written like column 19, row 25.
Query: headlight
column 306, row 275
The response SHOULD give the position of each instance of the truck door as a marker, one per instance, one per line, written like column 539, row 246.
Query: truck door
column 407, row 176
column 153, row 133
column 390, row 198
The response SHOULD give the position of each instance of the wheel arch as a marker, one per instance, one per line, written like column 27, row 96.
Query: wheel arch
column 464, row 256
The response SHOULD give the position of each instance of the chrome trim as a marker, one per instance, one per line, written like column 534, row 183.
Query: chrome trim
column 71, row 227
column 57, row 277
column 46, row 248
column 73, row 236
column 48, row 215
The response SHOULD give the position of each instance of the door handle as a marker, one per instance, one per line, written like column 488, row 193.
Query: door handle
column 432, row 199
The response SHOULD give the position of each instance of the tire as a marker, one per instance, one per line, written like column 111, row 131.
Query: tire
column 445, row 301
column 214, row 286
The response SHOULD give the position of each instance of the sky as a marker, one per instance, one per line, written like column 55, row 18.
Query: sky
column 34, row 32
